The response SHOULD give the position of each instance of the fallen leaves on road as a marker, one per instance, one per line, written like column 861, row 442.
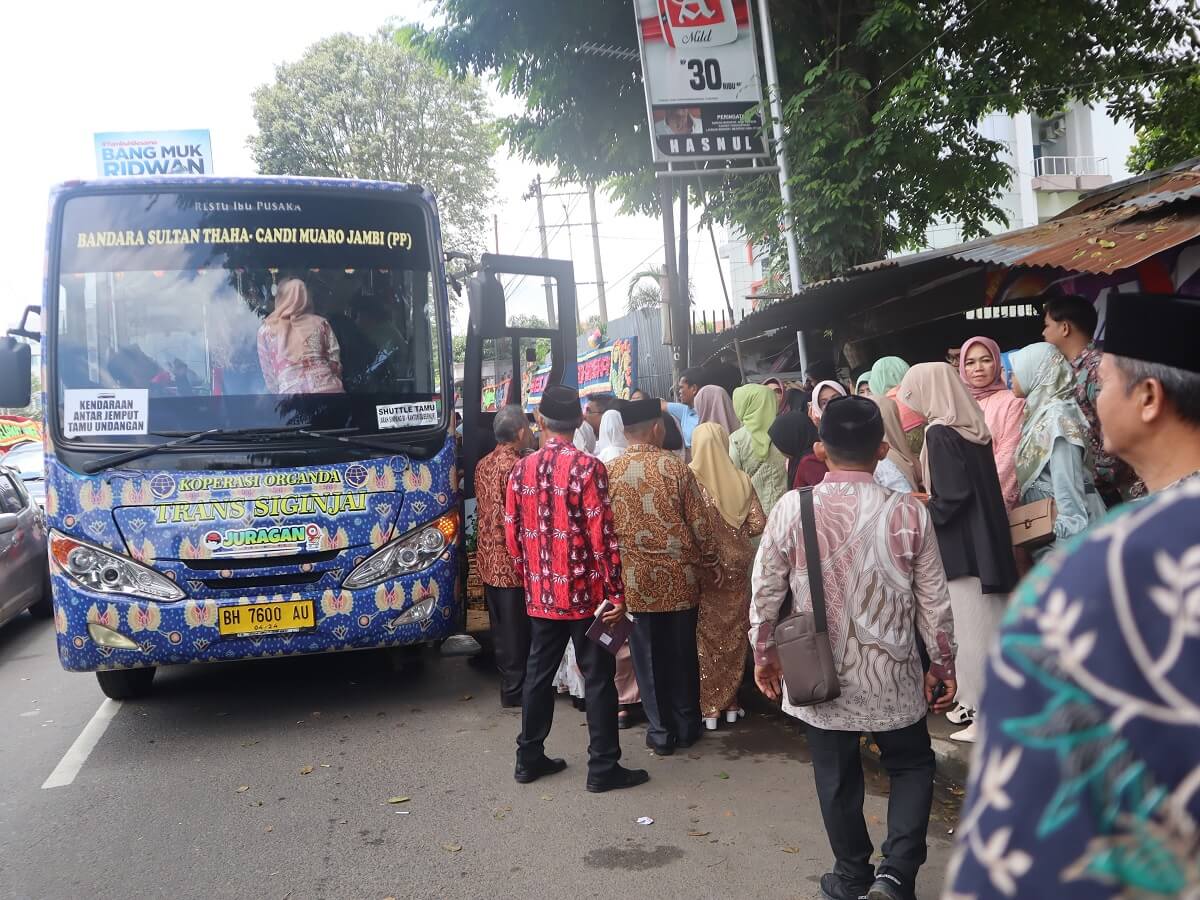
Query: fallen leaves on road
column 242, row 788
column 326, row 766
column 306, row 770
column 501, row 812
column 269, row 829
column 723, row 775
column 698, row 833
column 693, row 756
column 249, row 743
column 466, row 697
column 790, row 849
column 452, row 848
column 399, row 799
column 546, row 797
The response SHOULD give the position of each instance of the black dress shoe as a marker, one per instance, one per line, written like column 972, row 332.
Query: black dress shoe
column 888, row 887
column 833, row 888
column 545, row 766
column 660, row 749
column 511, row 702
column 620, row 778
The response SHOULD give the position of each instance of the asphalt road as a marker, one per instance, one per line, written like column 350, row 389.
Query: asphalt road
column 272, row 779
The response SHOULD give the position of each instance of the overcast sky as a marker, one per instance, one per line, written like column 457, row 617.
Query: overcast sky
column 71, row 69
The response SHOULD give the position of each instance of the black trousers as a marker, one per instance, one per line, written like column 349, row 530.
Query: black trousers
column 663, row 646
column 837, row 766
column 548, row 644
column 510, row 638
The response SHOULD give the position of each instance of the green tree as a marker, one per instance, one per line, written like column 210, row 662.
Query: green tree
column 502, row 349
column 882, row 99
column 1168, row 125
column 382, row 108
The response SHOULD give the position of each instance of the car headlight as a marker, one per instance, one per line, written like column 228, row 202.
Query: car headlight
column 409, row 553
column 105, row 572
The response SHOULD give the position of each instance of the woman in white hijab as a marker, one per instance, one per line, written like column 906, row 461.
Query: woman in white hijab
column 612, row 442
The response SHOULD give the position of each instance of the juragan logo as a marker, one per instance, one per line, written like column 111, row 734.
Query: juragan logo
column 288, row 537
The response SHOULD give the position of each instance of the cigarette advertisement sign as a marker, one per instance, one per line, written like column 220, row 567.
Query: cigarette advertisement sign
column 700, row 68
column 132, row 154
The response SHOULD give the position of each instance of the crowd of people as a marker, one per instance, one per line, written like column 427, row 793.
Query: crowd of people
column 686, row 516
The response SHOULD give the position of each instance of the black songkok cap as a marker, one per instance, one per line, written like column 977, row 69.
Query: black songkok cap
column 560, row 403
column 852, row 425
column 634, row 412
column 1154, row 328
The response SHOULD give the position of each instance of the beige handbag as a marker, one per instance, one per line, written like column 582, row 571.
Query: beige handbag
column 802, row 638
column 1032, row 524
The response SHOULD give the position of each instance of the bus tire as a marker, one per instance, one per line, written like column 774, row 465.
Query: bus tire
column 125, row 684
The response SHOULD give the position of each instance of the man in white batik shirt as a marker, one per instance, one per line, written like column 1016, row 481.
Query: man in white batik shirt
column 884, row 584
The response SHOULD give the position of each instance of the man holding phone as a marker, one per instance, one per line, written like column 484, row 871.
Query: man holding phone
column 884, row 585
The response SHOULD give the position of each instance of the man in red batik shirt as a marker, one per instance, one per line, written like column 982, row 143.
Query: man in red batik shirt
column 559, row 530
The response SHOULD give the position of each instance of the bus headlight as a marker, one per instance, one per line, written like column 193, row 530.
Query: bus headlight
column 105, row 572
column 409, row 553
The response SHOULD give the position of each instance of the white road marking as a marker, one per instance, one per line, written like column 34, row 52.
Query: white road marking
column 68, row 767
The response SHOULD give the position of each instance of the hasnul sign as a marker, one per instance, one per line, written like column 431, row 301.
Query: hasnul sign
column 123, row 154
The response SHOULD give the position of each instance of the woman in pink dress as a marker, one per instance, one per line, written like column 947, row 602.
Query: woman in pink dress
column 297, row 348
column 980, row 369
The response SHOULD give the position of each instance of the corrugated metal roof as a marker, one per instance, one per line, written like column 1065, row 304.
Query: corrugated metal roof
column 1098, row 242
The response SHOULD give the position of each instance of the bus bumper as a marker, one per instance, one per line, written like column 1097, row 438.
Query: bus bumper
column 415, row 609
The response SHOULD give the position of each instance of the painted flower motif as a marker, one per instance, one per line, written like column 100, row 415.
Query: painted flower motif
column 135, row 494
column 389, row 597
column 95, row 495
column 109, row 617
column 60, row 620
column 339, row 604
column 379, row 536
column 339, row 540
column 51, row 500
column 200, row 613
column 418, row 478
column 422, row 591
column 188, row 550
column 144, row 617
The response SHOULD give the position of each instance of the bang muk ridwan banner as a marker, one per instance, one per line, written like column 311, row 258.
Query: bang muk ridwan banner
column 609, row 370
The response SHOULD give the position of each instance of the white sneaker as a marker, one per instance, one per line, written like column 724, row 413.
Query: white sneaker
column 710, row 724
column 966, row 736
column 732, row 715
column 960, row 715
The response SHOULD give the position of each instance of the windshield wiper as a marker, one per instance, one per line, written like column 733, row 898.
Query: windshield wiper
column 181, row 439
column 95, row 465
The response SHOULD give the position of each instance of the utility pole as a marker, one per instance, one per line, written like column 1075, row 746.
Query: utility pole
column 535, row 191
column 676, row 334
column 571, row 256
column 591, row 190
column 683, row 274
column 785, row 187
column 496, row 231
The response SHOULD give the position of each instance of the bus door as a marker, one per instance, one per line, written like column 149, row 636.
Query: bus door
column 489, row 337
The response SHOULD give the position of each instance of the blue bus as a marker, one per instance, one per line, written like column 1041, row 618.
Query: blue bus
column 248, row 391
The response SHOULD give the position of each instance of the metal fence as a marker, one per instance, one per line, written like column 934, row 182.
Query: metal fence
column 1070, row 165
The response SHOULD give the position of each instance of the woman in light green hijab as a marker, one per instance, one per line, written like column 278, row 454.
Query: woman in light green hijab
column 750, row 446
column 1052, row 457
column 886, row 374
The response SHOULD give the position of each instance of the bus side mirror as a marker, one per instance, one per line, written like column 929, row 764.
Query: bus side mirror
column 485, row 298
column 16, row 384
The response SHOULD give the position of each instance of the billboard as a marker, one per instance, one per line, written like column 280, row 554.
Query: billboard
column 700, row 69
column 133, row 154
column 608, row 370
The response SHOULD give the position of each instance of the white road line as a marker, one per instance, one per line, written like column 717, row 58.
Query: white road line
column 68, row 767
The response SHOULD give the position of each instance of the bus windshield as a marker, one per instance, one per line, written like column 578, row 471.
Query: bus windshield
column 188, row 310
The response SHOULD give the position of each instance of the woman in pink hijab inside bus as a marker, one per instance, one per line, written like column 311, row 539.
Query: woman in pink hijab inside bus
column 296, row 348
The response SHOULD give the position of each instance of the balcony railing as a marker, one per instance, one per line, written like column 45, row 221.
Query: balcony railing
column 1074, row 166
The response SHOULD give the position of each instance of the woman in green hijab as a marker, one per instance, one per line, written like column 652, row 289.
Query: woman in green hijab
column 886, row 375
column 750, row 446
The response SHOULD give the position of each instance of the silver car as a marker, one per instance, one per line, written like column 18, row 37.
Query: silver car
column 24, row 575
column 29, row 461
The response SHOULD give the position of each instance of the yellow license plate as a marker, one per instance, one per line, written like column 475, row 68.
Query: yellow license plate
column 265, row 618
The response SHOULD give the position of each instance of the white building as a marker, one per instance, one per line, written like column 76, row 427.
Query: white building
column 1053, row 161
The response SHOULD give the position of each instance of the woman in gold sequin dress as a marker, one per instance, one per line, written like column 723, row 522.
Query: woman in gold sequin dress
column 736, row 517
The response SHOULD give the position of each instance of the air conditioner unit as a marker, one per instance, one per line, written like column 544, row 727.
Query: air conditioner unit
column 1052, row 129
